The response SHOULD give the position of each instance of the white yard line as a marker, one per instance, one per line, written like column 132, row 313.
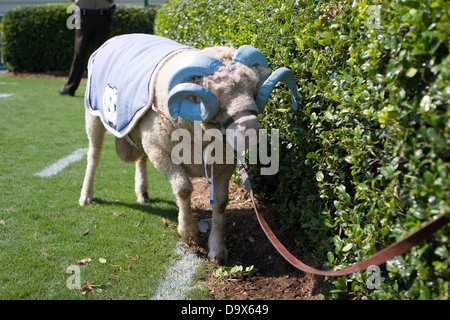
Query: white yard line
column 176, row 283
column 10, row 83
column 59, row 165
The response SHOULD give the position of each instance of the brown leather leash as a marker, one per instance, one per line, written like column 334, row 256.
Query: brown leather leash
column 380, row 257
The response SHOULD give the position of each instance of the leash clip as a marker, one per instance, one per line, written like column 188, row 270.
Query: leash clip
column 206, row 155
column 243, row 166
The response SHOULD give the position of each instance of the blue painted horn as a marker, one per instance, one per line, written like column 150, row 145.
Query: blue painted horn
column 250, row 57
column 180, row 91
column 283, row 75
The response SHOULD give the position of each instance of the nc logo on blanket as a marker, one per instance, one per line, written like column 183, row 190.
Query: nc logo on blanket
column 110, row 105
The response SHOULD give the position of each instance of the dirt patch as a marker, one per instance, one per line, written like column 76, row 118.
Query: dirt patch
column 247, row 245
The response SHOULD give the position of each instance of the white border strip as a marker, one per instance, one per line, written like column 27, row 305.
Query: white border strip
column 59, row 165
column 177, row 281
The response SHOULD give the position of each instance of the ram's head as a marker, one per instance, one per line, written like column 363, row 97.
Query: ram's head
column 229, row 92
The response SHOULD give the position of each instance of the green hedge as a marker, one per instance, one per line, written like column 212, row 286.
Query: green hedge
column 36, row 38
column 365, row 161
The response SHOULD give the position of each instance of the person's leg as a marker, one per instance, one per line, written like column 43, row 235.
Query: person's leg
column 100, row 31
column 83, row 38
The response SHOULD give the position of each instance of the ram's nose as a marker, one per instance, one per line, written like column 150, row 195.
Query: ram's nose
column 249, row 126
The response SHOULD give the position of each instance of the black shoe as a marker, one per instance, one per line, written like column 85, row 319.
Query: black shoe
column 62, row 92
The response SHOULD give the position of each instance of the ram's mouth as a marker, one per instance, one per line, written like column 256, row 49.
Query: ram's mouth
column 239, row 140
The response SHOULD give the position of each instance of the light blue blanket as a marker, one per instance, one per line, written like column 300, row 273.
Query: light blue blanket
column 119, row 78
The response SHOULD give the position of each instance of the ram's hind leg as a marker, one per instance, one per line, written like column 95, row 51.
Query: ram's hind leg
column 128, row 152
column 96, row 134
column 141, row 180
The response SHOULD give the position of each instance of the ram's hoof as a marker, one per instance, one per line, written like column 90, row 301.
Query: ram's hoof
column 188, row 233
column 143, row 199
column 218, row 257
column 85, row 201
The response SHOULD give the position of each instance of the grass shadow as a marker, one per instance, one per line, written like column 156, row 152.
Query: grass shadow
column 171, row 212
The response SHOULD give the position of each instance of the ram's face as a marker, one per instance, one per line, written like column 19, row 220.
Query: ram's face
column 227, row 89
column 236, row 87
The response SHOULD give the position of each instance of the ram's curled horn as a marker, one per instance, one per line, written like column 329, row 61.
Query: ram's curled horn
column 180, row 92
column 283, row 75
column 181, row 105
column 249, row 56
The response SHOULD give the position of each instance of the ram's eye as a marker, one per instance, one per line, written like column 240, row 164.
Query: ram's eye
column 255, row 92
column 194, row 99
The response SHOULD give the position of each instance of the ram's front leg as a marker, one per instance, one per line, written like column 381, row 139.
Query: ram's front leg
column 216, row 242
column 182, row 189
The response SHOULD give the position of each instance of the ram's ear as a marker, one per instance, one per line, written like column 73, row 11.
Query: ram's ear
column 262, row 72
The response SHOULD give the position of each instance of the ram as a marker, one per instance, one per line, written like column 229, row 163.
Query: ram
column 144, row 88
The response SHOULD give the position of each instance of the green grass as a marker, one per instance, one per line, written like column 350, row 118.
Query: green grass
column 45, row 230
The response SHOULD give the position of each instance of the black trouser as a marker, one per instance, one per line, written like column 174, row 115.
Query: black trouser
column 93, row 33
